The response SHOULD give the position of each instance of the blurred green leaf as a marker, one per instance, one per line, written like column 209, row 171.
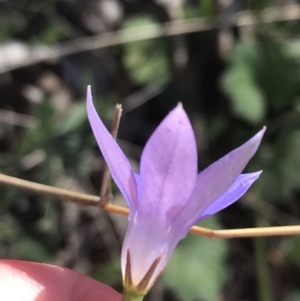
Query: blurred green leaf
column 198, row 8
column 42, row 133
column 109, row 273
column 208, row 7
column 146, row 61
column 279, row 180
column 277, row 72
column 258, row 4
column 290, row 249
column 8, row 231
column 262, row 76
column 75, row 117
column 246, row 98
column 50, row 35
column 27, row 248
column 289, row 160
column 197, row 267
column 293, row 295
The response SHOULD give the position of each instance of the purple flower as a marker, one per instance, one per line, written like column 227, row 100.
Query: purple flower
column 168, row 196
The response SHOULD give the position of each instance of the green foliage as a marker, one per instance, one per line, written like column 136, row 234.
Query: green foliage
column 293, row 295
column 28, row 248
column 34, row 241
column 240, row 85
column 146, row 61
column 246, row 98
column 73, row 120
column 197, row 267
column 199, row 8
column 279, row 181
column 207, row 7
column 258, row 4
column 277, row 73
column 290, row 248
column 50, row 35
column 262, row 76
column 261, row 81
column 7, row 232
column 109, row 273
column 289, row 161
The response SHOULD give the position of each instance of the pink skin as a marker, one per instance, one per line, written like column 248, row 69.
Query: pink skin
column 29, row 281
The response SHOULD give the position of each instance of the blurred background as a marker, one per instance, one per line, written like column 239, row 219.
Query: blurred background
column 235, row 66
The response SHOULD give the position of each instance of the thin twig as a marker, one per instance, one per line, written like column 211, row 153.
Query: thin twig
column 247, row 232
column 63, row 194
column 34, row 55
column 66, row 195
column 93, row 200
column 105, row 192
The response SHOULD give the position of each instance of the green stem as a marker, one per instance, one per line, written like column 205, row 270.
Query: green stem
column 262, row 269
column 130, row 295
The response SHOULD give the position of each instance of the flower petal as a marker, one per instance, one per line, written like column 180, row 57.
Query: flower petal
column 116, row 160
column 146, row 240
column 168, row 166
column 149, row 238
column 235, row 191
column 216, row 179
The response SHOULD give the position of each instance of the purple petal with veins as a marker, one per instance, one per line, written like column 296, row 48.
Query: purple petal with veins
column 239, row 187
column 116, row 160
column 216, row 179
column 168, row 166
column 168, row 196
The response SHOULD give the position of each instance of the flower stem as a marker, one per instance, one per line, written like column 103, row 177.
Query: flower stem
column 130, row 295
column 265, row 292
